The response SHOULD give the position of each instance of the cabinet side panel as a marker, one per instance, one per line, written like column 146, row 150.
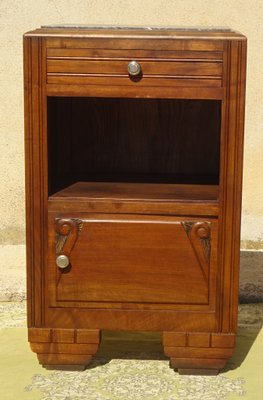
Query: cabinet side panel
column 34, row 179
column 28, row 171
column 240, row 116
column 231, row 182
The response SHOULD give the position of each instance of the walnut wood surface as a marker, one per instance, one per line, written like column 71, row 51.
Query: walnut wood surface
column 69, row 348
column 110, row 251
column 137, row 198
column 140, row 192
column 139, row 183
column 200, row 73
column 149, row 67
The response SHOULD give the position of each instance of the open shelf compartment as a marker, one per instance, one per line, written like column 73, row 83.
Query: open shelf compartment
column 103, row 148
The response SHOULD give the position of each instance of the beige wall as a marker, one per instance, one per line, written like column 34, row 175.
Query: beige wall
column 18, row 16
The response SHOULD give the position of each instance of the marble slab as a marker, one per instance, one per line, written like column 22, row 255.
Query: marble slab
column 146, row 28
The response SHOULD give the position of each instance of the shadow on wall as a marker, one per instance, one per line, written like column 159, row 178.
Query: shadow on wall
column 251, row 277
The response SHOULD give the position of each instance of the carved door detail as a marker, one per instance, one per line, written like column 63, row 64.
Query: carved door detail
column 199, row 234
column 131, row 261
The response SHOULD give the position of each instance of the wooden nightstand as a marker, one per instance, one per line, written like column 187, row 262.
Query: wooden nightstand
column 134, row 144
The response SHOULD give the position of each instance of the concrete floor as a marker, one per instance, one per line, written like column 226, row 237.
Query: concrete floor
column 12, row 273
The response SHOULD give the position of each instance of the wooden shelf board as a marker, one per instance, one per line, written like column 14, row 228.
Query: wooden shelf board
column 139, row 192
column 137, row 198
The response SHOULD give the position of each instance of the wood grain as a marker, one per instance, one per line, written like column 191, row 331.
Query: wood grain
column 137, row 261
column 137, row 198
column 198, row 352
column 64, row 347
column 139, row 192
column 152, row 169
column 36, row 171
column 159, row 67
column 127, row 54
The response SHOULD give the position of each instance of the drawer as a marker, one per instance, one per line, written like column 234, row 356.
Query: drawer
column 131, row 261
column 110, row 67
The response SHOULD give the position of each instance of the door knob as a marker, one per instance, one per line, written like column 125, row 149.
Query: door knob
column 134, row 68
column 62, row 261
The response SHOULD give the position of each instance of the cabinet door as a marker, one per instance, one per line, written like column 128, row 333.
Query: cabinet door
column 132, row 260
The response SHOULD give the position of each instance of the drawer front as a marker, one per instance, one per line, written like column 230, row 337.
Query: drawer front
column 110, row 67
column 131, row 261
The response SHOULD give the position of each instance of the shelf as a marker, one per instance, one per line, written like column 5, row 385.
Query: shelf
column 137, row 198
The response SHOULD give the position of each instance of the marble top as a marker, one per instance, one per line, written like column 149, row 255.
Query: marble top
column 146, row 28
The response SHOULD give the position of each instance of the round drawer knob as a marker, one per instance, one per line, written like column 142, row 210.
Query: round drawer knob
column 62, row 261
column 134, row 68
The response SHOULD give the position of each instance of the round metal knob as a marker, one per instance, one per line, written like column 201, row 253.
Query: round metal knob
column 134, row 68
column 62, row 261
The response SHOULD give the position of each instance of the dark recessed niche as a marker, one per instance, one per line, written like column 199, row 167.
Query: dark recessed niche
column 133, row 140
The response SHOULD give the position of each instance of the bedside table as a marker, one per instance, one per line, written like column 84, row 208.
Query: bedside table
column 134, row 141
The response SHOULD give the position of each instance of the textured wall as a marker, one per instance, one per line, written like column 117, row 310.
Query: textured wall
column 19, row 16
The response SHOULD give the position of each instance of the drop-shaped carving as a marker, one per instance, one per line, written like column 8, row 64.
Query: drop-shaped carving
column 199, row 234
column 67, row 230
